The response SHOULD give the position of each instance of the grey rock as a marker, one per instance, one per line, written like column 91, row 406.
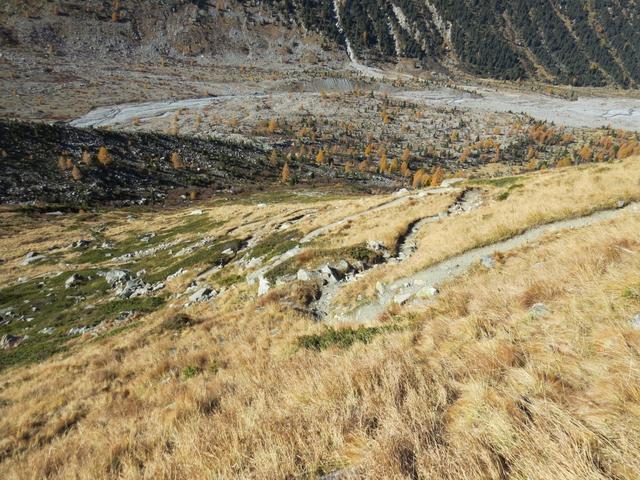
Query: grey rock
column 82, row 243
column 8, row 341
column 78, row 331
column 303, row 275
column 182, row 271
column 124, row 316
column 31, row 257
column 635, row 322
column 342, row 267
column 134, row 288
column 539, row 310
column 147, row 237
column 331, row 274
column 47, row 331
column 375, row 245
column 380, row 288
column 116, row 277
column 263, row 286
column 73, row 281
column 621, row 204
column 202, row 295
column 228, row 251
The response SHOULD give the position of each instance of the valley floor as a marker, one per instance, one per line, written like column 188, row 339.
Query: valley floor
column 220, row 340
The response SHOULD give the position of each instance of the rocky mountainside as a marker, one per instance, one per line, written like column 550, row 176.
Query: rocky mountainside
column 78, row 167
column 561, row 41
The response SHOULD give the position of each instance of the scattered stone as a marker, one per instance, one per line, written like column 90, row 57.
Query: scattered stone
column 73, row 281
column 381, row 289
column 202, row 295
column 55, row 214
column 31, row 257
column 427, row 292
column 539, row 310
column 228, row 251
column 635, row 322
column 182, row 271
column 78, row 331
column 146, row 238
column 82, row 243
column 197, row 212
column 263, row 286
column 124, row 316
column 621, row 204
column 488, row 261
column 261, row 205
column 47, row 331
column 9, row 341
column 375, row 245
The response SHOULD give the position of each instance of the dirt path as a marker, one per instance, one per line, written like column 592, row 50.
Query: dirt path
column 468, row 200
column 411, row 288
column 382, row 206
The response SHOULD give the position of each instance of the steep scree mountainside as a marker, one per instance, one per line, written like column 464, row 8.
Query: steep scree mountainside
column 577, row 42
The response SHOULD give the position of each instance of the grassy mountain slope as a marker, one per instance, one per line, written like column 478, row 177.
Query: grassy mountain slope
column 523, row 369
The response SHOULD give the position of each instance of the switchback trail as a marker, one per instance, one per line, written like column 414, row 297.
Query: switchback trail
column 411, row 288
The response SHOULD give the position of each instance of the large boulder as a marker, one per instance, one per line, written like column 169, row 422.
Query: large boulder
column 117, row 277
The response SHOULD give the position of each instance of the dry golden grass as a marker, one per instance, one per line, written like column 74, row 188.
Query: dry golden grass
column 540, row 198
column 473, row 386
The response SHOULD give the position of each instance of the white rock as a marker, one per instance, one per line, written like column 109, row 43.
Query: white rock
column 263, row 286
column 402, row 298
column 635, row 322
column 196, row 212
column 427, row 292
column 303, row 275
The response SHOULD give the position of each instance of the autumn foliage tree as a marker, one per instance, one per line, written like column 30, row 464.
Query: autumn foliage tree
column 273, row 158
column 76, row 174
column 286, row 173
column 104, row 157
column 176, row 161
column 383, row 164
column 437, row 177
